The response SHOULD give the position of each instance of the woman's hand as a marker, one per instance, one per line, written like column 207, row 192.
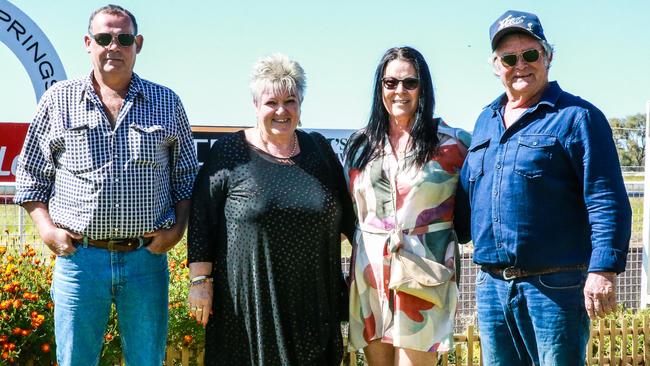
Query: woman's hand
column 200, row 300
column 200, row 295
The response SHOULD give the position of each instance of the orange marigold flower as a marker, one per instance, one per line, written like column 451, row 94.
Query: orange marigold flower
column 25, row 332
column 108, row 337
column 45, row 348
column 17, row 304
column 187, row 339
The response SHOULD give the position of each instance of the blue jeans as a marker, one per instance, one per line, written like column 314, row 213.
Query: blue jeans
column 538, row 320
column 84, row 286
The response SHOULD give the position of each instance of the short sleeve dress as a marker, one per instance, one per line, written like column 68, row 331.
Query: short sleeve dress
column 272, row 231
column 393, row 197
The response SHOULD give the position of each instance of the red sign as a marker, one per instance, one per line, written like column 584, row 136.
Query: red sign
column 12, row 136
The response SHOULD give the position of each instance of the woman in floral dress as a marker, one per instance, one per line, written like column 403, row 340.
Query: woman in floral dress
column 402, row 171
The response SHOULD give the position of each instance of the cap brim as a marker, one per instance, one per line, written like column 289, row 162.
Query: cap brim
column 504, row 32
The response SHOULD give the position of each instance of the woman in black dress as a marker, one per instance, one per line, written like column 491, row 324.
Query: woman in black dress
column 268, row 210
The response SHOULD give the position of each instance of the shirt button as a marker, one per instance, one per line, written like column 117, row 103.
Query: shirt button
column 498, row 166
column 496, row 193
column 496, row 219
column 499, row 245
column 534, row 143
column 117, row 205
column 117, row 179
column 116, row 229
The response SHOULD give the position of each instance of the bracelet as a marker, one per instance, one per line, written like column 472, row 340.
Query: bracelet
column 200, row 279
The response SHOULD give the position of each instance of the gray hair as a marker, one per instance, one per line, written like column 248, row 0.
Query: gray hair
column 113, row 10
column 277, row 74
column 547, row 56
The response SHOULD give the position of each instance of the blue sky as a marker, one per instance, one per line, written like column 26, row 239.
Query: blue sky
column 204, row 50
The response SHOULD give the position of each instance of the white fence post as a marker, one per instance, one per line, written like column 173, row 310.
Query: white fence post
column 645, row 290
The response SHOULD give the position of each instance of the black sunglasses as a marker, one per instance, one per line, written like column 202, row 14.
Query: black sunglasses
column 105, row 39
column 529, row 56
column 408, row 83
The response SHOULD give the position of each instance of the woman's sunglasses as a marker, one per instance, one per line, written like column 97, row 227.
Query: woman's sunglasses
column 529, row 56
column 408, row 83
column 122, row 39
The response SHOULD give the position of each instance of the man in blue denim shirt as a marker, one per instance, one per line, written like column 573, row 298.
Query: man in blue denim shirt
column 550, row 217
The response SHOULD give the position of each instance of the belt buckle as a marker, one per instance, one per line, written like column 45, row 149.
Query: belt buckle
column 110, row 245
column 510, row 273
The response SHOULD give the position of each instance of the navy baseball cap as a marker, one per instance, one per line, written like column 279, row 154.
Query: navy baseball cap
column 516, row 21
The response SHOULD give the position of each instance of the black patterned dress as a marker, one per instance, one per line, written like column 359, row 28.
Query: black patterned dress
column 272, row 230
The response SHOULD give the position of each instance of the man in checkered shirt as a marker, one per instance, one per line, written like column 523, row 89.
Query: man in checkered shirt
column 106, row 174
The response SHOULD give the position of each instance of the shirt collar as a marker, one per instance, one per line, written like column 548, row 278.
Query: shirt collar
column 136, row 87
column 550, row 97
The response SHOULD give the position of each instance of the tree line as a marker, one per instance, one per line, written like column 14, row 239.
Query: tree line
column 629, row 135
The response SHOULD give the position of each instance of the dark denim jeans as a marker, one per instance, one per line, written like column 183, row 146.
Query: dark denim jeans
column 85, row 284
column 539, row 320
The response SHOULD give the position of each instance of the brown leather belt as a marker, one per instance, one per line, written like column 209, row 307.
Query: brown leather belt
column 510, row 273
column 119, row 245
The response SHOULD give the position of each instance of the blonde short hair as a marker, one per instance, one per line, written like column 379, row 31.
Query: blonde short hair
column 277, row 74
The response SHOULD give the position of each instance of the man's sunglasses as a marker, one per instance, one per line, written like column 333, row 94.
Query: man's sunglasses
column 122, row 39
column 408, row 83
column 529, row 56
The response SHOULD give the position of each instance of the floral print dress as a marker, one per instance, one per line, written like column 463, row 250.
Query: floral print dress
column 394, row 197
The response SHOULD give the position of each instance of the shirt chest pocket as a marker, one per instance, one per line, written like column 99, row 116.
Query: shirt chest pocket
column 85, row 148
column 148, row 145
column 533, row 156
column 476, row 157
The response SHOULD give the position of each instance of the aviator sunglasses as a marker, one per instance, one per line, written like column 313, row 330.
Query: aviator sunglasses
column 529, row 56
column 408, row 83
column 122, row 39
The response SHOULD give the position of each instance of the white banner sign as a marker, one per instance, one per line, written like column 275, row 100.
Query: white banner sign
column 28, row 42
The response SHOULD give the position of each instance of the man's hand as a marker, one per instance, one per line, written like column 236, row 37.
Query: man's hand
column 164, row 239
column 600, row 294
column 59, row 240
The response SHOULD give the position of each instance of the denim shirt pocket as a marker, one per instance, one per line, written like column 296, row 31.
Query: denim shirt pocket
column 533, row 155
column 475, row 158
column 148, row 145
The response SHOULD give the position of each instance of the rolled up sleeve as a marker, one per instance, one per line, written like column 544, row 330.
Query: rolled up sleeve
column 35, row 171
column 185, row 164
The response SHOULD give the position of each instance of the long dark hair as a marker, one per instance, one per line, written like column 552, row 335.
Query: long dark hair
column 368, row 143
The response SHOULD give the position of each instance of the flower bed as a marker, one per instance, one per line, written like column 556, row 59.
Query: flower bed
column 26, row 309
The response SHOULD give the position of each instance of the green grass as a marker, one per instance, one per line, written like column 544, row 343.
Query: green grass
column 10, row 219
column 634, row 178
column 637, row 215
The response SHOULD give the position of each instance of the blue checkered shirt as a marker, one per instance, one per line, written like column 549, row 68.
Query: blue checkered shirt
column 103, row 182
